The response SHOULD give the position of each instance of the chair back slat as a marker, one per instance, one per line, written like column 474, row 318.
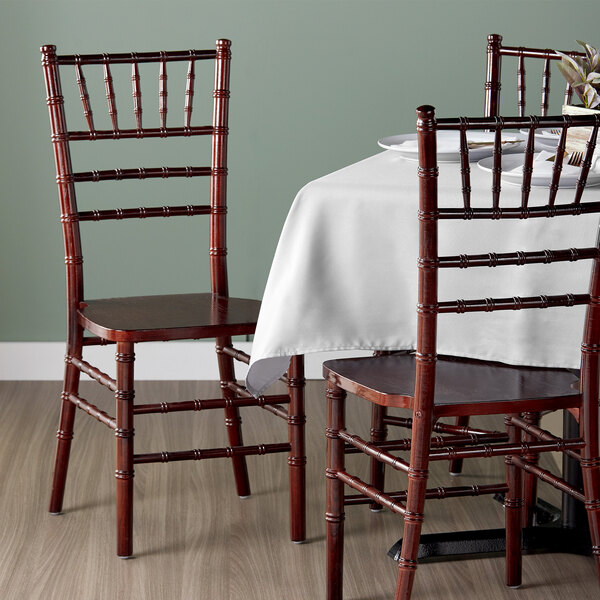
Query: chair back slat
column 517, row 212
column 465, row 169
column 587, row 161
column 85, row 97
column 497, row 168
column 528, row 166
column 139, row 57
column 513, row 303
column 518, row 258
column 162, row 93
column 558, row 164
column 545, row 87
column 521, row 86
column 110, row 95
column 141, row 173
column 142, row 212
column 109, row 134
column 568, row 94
column 137, row 95
column 189, row 94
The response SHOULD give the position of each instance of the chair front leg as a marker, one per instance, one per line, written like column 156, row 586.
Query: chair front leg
column 334, row 514
column 297, row 457
column 124, row 460
column 590, row 453
column 513, row 509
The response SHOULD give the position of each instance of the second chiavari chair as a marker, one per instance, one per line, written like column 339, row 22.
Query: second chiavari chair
column 126, row 321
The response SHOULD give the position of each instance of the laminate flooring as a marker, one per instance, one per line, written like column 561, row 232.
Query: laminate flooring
column 194, row 539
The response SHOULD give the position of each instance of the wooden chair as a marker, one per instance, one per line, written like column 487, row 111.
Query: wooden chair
column 431, row 387
column 520, row 58
column 493, row 84
column 127, row 321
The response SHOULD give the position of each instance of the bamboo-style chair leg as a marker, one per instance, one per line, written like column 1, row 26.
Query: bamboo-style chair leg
column 513, row 505
column 590, row 461
column 378, row 434
column 334, row 513
column 297, row 456
column 591, row 487
column 124, row 433
column 529, row 479
column 233, row 421
column 64, row 432
column 456, row 464
column 415, row 500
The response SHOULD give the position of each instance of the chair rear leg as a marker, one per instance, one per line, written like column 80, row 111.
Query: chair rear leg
column 591, row 487
column 64, row 433
column 456, row 464
column 513, row 509
column 590, row 458
column 378, row 434
column 233, row 421
column 334, row 514
column 124, row 456
column 297, row 456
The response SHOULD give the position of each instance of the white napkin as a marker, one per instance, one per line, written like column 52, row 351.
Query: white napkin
column 542, row 165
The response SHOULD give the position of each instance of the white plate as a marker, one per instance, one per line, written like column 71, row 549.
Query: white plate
column 541, row 176
column 448, row 145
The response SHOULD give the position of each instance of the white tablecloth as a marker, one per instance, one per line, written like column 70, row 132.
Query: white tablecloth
column 344, row 276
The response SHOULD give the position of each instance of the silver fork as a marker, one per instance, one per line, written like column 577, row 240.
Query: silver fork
column 575, row 159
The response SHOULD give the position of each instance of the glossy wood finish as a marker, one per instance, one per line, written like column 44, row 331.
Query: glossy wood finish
column 462, row 386
column 433, row 386
column 168, row 317
column 126, row 321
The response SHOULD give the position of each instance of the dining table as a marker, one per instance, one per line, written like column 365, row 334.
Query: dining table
column 344, row 274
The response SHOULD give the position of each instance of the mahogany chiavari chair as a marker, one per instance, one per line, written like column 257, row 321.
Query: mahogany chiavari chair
column 523, row 57
column 130, row 320
column 431, row 387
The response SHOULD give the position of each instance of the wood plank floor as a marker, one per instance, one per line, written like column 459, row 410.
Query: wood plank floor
column 196, row 540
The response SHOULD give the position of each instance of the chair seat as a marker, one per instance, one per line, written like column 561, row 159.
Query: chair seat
column 462, row 386
column 168, row 317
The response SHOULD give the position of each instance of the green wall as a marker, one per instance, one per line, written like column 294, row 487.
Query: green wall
column 314, row 85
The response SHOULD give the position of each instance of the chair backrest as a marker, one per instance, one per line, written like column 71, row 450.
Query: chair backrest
column 62, row 137
column 430, row 213
column 495, row 53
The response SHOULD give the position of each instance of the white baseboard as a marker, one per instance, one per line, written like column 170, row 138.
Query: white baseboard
column 44, row 361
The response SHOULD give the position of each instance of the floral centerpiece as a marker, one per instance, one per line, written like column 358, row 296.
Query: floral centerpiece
column 583, row 74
